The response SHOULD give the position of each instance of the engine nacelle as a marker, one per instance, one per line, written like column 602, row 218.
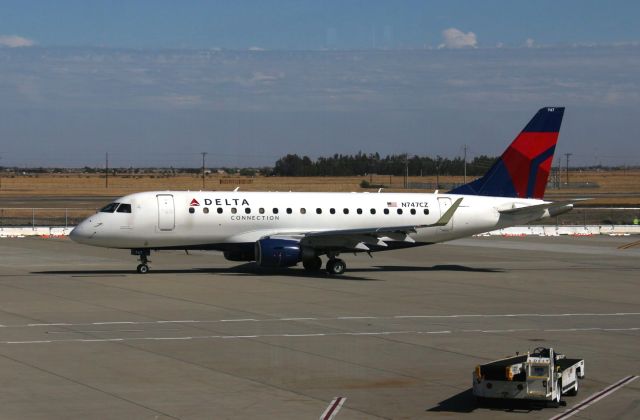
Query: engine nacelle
column 239, row 254
column 277, row 252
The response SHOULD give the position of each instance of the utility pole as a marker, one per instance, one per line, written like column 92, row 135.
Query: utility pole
column 203, row 155
column 465, row 164
column 106, row 170
column 406, row 170
column 568, row 155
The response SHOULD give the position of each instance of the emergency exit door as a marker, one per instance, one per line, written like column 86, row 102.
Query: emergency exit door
column 166, row 212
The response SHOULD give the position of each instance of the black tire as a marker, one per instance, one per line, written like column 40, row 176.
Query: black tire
column 574, row 391
column 312, row 264
column 336, row 266
column 556, row 403
column 142, row 268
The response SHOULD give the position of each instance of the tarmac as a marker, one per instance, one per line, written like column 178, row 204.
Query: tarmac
column 83, row 336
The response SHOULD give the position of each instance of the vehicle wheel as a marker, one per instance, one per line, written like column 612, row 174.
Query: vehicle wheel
column 574, row 391
column 143, row 268
column 556, row 402
column 312, row 264
column 336, row 266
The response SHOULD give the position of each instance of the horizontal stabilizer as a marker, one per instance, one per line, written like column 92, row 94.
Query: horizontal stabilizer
column 555, row 207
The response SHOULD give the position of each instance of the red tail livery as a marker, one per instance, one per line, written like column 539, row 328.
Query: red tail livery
column 523, row 169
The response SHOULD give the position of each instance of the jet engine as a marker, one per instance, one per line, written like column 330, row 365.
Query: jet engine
column 239, row 254
column 278, row 252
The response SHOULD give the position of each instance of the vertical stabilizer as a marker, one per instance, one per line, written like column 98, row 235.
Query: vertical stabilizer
column 523, row 169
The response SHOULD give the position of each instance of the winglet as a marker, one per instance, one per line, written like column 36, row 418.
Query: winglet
column 446, row 217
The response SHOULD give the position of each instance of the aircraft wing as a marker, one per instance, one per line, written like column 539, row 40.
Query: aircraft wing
column 362, row 239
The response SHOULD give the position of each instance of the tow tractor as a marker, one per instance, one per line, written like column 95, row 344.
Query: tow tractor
column 542, row 375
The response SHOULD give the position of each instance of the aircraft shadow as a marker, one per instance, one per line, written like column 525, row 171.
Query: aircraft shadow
column 451, row 267
column 247, row 270
column 465, row 402
column 251, row 269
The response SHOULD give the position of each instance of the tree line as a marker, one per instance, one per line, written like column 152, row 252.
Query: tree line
column 363, row 164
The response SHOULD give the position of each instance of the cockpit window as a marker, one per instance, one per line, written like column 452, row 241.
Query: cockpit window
column 109, row 208
column 124, row 208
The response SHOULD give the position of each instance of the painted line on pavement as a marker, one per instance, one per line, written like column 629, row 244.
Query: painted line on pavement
column 595, row 398
column 301, row 335
column 339, row 318
column 333, row 408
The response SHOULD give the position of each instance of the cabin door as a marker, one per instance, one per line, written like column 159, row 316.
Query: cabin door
column 166, row 212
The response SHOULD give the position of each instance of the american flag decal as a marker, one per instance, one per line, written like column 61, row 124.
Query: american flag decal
column 392, row 204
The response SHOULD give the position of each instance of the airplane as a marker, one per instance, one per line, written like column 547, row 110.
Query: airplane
column 282, row 229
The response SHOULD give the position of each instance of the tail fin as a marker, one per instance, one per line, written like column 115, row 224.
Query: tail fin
column 523, row 169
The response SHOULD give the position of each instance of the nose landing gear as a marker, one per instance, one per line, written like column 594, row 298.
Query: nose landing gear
column 143, row 267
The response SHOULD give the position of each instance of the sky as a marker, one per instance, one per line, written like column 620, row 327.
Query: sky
column 157, row 82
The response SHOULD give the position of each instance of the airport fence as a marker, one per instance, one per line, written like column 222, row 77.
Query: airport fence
column 588, row 216
column 40, row 216
column 68, row 217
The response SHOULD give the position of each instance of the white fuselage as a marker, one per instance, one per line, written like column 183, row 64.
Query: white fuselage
column 171, row 219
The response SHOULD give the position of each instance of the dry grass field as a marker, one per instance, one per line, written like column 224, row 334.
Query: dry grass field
column 617, row 188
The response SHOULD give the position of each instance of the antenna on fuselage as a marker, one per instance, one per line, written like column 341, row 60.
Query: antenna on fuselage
column 236, row 189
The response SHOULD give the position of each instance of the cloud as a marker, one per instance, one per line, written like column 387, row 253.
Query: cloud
column 254, row 48
column 14, row 41
column 455, row 38
column 529, row 43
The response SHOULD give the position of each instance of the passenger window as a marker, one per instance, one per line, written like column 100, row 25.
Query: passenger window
column 386, row 211
column 413, row 211
column 399, row 211
column 275, row 210
column 359, row 211
column 289, row 210
column 219, row 210
column 426, row 211
column 332, row 211
column 234, row 210
column 261, row 211
column 124, row 208
column 373, row 211
column 109, row 208
column 345, row 211
column 318, row 211
column 205, row 210
column 192, row 210
column 247, row 210
column 303, row 211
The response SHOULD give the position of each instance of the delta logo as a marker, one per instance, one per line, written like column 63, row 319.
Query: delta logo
column 194, row 203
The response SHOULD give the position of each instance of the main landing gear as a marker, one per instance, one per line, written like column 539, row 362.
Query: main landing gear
column 312, row 264
column 143, row 267
column 336, row 266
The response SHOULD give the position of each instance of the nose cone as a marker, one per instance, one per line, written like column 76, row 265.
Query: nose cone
column 82, row 233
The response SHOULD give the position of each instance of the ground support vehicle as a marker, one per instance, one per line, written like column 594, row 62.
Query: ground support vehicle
column 542, row 375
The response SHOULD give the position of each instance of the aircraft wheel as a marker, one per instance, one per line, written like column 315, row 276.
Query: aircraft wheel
column 312, row 264
column 336, row 266
column 142, row 268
